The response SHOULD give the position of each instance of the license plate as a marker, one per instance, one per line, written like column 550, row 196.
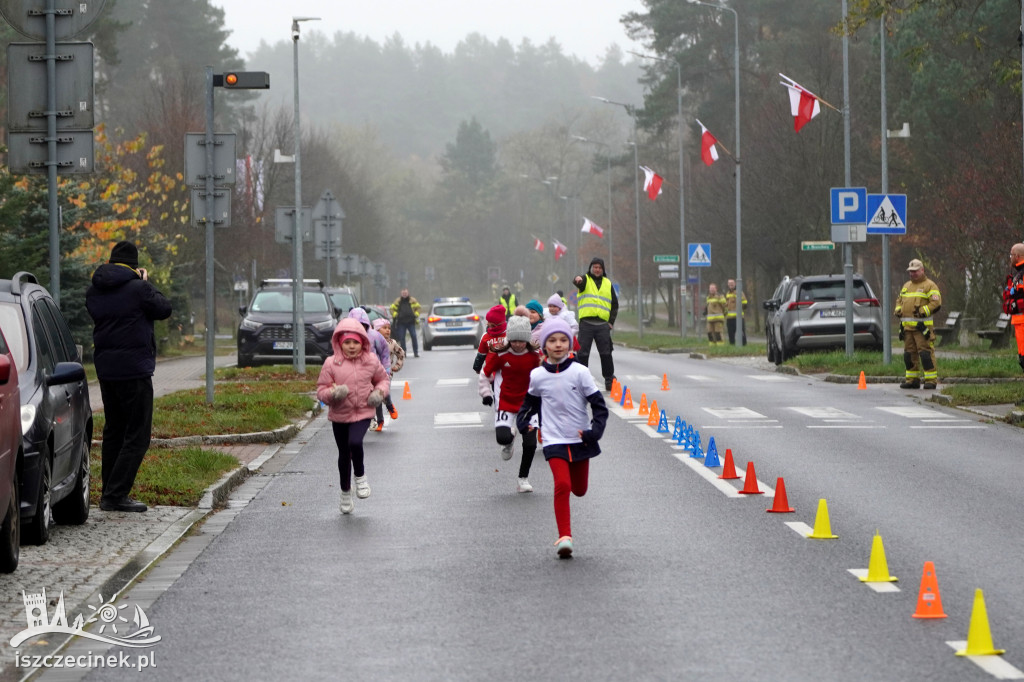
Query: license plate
column 453, row 323
column 833, row 312
column 283, row 345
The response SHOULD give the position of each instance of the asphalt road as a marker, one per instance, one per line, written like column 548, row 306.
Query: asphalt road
column 445, row 573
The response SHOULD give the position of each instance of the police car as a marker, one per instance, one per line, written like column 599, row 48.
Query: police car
column 452, row 322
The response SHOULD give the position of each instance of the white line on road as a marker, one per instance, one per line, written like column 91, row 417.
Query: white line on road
column 800, row 528
column 877, row 587
column 844, row 426
column 708, row 473
column 699, row 377
column 734, row 413
column 444, row 383
column 996, row 666
column 746, row 425
column 449, row 420
column 964, row 426
column 768, row 377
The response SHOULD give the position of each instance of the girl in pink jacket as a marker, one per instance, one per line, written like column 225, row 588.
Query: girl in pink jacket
column 353, row 383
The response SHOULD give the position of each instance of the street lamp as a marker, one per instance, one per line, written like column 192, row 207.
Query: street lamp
column 740, row 327
column 636, row 192
column 682, row 219
column 298, row 326
column 608, row 160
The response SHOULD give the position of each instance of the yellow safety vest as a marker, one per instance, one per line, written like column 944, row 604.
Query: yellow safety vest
column 510, row 304
column 594, row 301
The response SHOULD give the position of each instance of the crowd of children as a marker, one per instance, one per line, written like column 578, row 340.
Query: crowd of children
column 526, row 372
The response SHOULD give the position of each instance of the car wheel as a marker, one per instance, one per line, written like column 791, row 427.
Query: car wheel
column 245, row 361
column 427, row 346
column 10, row 532
column 37, row 530
column 771, row 350
column 73, row 510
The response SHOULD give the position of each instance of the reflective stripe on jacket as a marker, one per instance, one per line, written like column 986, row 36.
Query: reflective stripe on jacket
column 594, row 301
column 913, row 297
column 716, row 308
column 730, row 303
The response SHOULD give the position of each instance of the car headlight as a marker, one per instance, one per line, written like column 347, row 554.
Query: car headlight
column 326, row 325
column 28, row 417
column 250, row 325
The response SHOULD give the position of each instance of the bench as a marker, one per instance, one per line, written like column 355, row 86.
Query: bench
column 949, row 331
column 1000, row 336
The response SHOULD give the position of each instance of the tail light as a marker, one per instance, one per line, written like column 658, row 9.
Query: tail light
column 475, row 318
column 432, row 319
column 869, row 302
column 797, row 305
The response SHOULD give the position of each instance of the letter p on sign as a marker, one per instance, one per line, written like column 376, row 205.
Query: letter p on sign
column 849, row 205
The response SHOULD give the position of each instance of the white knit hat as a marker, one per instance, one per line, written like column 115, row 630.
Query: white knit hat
column 517, row 329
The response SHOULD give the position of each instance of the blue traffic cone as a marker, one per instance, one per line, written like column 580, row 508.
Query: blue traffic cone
column 711, row 459
column 677, row 429
column 622, row 400
column 663, row 423
column 697, row 450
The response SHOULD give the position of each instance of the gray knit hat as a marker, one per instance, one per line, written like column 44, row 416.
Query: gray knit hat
column 517, row 329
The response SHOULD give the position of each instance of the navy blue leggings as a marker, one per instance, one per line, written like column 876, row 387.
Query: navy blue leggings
column 349, row 437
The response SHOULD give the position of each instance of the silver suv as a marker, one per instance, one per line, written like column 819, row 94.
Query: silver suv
column 809, row 312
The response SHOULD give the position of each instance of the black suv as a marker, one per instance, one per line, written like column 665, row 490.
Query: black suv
column 56, row 418
column 265, row 332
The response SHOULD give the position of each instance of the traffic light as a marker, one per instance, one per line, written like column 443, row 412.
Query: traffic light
column 242, row 80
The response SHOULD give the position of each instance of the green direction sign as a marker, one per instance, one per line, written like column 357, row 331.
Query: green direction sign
column 666, row 258
column 817, row 246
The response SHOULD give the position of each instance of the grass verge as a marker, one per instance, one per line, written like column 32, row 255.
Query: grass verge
column 988, row 366
column 170, row 476
column 689, row 344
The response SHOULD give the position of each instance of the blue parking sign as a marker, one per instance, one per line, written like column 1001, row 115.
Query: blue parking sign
column 849, row 205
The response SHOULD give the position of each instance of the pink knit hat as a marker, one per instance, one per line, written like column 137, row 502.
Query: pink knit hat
column 381, row 322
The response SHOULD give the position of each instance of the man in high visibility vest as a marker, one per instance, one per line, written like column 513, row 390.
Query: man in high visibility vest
column 1013, row 298
column 597, row 308
column 730, row 312
column 916, row 306
column 714, row 312
column 508, row 301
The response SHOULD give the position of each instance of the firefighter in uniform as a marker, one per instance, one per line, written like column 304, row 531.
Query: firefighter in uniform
column 714, row 312
column 730, row 312
column 916, row 305
column 1013, row 298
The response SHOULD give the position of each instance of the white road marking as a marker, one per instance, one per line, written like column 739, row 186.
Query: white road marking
column 734, row 413
column 910, row 411
column 844, row 426
column 708, row 473
column 451, row 420
column 974, row 426
column 700, row 377
column 748, row 425
column 652, row 431
column 800, row 528
column 827, row 413
column 442, row 383
column 877, row 587
column 769, row 377
column 641, row 377
column 996, row 666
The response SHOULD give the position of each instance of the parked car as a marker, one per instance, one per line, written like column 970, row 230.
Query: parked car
column 376, row 312
column 265, row 332
column 452, row 322
column 343, row 298
column 56, row 417
column 809, row 312
column 10, row 453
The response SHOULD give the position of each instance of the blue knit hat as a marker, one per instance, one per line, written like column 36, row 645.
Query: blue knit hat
column 535, row 307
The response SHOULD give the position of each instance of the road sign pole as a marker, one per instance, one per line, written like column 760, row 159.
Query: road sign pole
column 51, row 147
column 211, row 303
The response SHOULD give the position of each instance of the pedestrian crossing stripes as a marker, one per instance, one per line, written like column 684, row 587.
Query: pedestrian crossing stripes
column 445, row 383
column 450, row 420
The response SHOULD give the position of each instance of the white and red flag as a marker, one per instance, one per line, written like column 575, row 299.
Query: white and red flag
column 652, row 183
column 708, row 150
column 538, row 244
column 803, row 104
column 560, row 250
column 592, row 228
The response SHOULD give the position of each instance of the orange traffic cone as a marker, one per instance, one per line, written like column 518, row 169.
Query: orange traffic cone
column 406, row 395
column 616, row 394
column 781, row 504
column 750, row 482
column 929, row 602
column 729, row 468
column 862, row 383
column 664, row 382
column 652, row 419
column 643, row 404
column 627, row 402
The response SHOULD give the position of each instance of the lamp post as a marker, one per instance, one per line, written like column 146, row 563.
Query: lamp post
column 741, row 323
column 682, row 217
column 636, row 192
column 298, row 326
column 608, row 172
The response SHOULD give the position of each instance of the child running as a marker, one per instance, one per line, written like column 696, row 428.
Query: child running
column 380, row 347
column 509, row 368
column 383, row 327
column 493, row 337
column 559, row 392
column 353, row 383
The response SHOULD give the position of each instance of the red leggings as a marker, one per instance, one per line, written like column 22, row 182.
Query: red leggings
column 569, row 477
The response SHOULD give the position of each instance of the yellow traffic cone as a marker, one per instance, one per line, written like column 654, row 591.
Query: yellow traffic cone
column 822, row 527
column 878, row 568
column 979, row 637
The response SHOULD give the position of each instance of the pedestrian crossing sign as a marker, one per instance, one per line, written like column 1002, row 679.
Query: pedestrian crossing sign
column 698, row 255
column 887, row 213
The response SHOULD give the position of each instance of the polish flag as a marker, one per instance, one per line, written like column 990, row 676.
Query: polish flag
column 803, row 103
column 538, row 244
column 708, row 150
column 652, row 183
column 591, row 228
column 560, row 250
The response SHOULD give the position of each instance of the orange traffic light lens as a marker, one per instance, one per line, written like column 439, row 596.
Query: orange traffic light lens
column 231, row 79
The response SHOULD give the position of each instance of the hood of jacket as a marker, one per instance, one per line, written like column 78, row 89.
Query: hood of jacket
column 346, row 326
column 113, row 275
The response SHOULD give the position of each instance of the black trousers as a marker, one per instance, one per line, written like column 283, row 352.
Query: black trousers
column 730, row 324
column 128, row 426
column 599, row 333
column 349, row 438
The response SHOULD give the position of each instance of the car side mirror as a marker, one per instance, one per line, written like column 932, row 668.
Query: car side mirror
column 66, row 373
column 242, row 310
column 338, row 312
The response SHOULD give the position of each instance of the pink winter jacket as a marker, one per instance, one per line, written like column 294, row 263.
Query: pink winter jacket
column 362, row 375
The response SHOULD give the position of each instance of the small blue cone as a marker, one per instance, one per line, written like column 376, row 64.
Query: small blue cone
column 684, row 437
column 622, row 400
column 711, row 459
column 677, row 428
column 698, row 452
column 680, row 436
column 695, row 443
column 663, row 423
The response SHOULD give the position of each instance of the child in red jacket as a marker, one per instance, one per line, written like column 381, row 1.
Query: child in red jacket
column 509, row 368
column 493, row 337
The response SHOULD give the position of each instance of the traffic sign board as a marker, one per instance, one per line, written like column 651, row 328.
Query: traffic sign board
column 284, row 224
column 221, row 207
column 27, row 152
column 668, row 274
column 887, row 213
column 223, row 159
column 698, row 255
column 73, row 70
column 71, row 17
column 817, row 246
column 671, row 267
column 666, row 258
column 849, row 205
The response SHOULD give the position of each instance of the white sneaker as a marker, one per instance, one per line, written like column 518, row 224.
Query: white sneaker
column 362, row 488
column 523, row 486
column 506, row 451
column 347, row 504
column 563, row 547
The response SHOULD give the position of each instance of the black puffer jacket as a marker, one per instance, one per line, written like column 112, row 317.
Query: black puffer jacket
column 123, row 308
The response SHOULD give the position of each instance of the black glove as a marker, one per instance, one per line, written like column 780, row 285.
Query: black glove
column 588, row 437
column 920, row 326
column 902, row 334
column 488, row 401
column 927, row 333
